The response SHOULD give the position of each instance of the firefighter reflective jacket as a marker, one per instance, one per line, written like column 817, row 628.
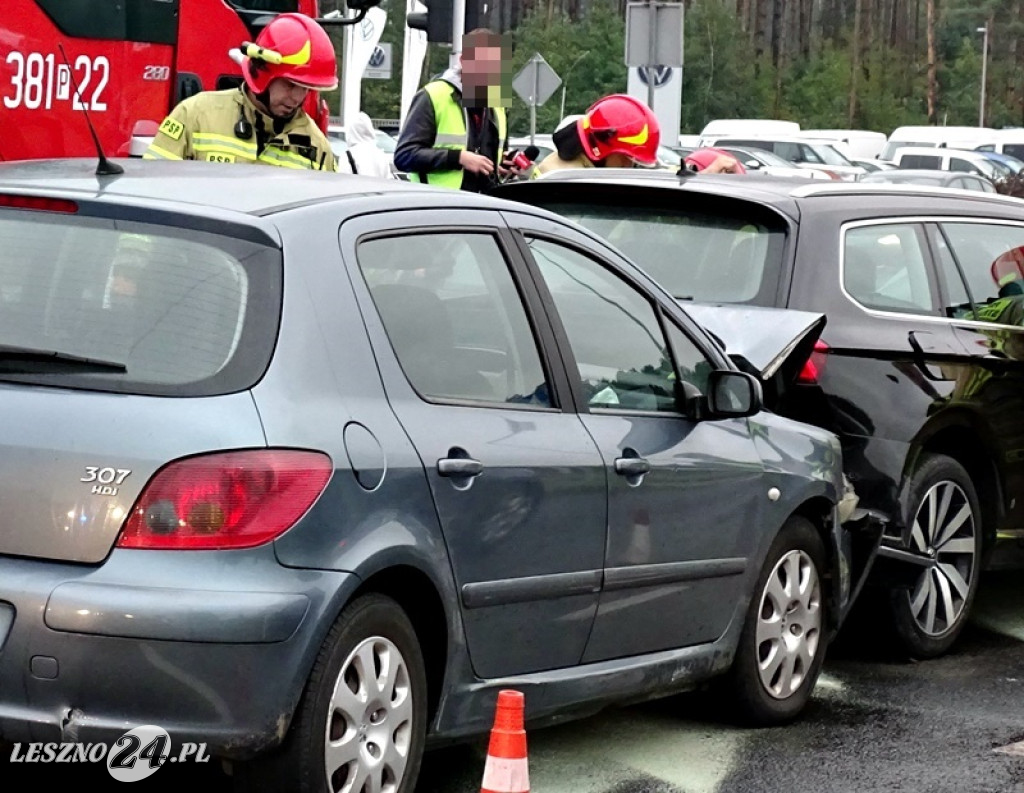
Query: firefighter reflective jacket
column 207, row 126
column 555, row 163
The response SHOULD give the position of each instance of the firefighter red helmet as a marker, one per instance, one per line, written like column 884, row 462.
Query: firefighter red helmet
column 294, row 47
column 620, row 124
column 1008, row 268
column 702, row 158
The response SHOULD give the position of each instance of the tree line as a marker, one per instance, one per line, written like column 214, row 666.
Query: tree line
column 862, row 64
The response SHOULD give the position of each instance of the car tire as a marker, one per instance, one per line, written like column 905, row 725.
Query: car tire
column 362, row 715
column 782, row 645
column 928, row 617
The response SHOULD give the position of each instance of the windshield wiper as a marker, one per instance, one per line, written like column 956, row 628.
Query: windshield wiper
column 27, row 360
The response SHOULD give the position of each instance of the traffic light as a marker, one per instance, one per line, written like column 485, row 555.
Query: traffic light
column 475, row 15
column 436, row 20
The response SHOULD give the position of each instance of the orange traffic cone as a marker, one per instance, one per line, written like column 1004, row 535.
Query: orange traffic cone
column 507, row 769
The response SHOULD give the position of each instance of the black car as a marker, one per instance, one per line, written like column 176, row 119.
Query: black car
column 919, row 369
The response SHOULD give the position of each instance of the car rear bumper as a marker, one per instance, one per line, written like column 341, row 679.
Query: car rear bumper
column 213, row 647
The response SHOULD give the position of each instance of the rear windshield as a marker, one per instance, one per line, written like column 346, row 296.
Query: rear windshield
column 694, row 255
column 160, row 310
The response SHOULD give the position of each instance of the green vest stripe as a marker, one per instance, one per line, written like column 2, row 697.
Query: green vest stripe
column 450, row 118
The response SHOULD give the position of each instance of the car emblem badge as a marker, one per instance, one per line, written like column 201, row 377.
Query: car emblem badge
column 105, row 480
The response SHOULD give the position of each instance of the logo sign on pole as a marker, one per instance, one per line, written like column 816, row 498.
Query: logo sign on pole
column 656, row 75
column 666, row 85
column 654, row 33
column 379, row 67
column 360, row 42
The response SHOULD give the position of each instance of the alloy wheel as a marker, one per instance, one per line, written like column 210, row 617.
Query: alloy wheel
column 370, row 724
column 944, row 530
column 789, row 624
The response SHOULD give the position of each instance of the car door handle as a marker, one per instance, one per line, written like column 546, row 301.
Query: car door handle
column 632, row 466
column 459, row 466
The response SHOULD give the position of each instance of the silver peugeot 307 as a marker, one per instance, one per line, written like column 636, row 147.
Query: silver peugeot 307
column 301, row 466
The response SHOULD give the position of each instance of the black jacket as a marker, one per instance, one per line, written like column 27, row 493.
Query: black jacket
column 415, row 152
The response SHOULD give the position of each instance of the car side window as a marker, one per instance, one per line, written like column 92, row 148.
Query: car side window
column 920, row 161
column 789, row 151
column 957, row 299
column 621, row 353
column 885, row 268
column 992, row 258
column 962, row 165
column 454, row 317
column 807, row 154
column 692, row 364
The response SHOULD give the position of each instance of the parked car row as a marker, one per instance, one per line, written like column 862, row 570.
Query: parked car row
column 850, row 154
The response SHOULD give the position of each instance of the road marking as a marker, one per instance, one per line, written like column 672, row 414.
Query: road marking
column 1014, row 749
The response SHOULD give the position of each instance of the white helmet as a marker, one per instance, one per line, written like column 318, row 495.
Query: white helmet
column 565, row 122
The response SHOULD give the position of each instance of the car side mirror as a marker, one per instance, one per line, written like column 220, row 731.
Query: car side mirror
column 753, row 165
column 733, row 395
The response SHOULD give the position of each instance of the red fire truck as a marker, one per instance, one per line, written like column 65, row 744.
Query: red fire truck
column 131, row 60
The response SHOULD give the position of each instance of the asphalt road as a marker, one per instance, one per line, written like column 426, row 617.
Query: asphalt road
column 874, row 724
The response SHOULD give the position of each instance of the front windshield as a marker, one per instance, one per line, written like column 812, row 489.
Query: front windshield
column 993, row 169
column 829, row 154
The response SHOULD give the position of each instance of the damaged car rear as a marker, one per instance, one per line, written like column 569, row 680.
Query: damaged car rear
column 919, row 371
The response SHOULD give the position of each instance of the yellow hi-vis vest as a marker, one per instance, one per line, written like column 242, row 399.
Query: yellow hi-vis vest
column 452, row 125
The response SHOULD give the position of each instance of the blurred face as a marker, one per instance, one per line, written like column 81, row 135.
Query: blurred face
column 284, row 97
column 482, row 75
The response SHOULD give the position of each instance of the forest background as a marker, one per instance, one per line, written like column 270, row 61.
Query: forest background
column 854, row 64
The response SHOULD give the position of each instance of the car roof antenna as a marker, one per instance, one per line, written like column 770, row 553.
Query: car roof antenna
column 105, row 167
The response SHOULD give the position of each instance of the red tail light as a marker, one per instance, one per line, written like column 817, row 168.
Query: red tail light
column 815, row 364
column 38, row 203
column 229, row 500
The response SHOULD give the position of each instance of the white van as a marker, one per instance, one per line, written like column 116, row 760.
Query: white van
column 948, row 137
column 856, row 143
column 746, row 127
column 935, row 159
column 1004, row 141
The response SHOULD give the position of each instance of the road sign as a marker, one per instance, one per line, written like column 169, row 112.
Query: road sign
column 654, row 34
column 536, row 81
column 379, row 67
column 535, row 84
